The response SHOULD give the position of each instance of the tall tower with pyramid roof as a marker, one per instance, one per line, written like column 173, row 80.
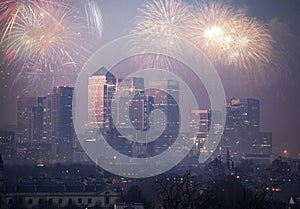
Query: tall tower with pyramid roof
column 101, row 88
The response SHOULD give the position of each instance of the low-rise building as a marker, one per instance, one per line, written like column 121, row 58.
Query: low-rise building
column 60, row 194
column 129, row 206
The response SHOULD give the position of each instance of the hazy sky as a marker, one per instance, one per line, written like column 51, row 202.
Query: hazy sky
column 277, row 90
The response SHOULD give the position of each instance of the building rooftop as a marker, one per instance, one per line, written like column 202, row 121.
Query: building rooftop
column 54, row 187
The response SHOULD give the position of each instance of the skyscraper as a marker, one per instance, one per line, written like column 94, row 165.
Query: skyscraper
column 38, row 121
column 25, row 110
column 101, row 88
column 140, row 108
column 130, row 86
column 61, row 123
column 199, row 125
column 45, row 127
column 242, row 134
column 242, row 115
column 262, row 144
column 7, row 140
column 260, row 150
column 127, row 91
column 242, row 123
column 32, row 138
column 166, row 95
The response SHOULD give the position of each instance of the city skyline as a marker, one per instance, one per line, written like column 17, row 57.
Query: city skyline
column 44, row 119
column 276, row 89
column 149, row 104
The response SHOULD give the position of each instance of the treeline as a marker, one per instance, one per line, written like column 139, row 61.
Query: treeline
column 183, row 192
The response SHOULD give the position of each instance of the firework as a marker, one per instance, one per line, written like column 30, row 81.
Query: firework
column 45, row 33
column 41, row 39
column 160, row 20
column 93, row 17
column 11, row 9
column 228, row 36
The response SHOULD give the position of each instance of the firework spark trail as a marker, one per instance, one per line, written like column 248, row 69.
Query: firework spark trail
column 229, row 37
column 10, row 10
column 43, row 31
column 252, row 44
column 24, row 33
column 207, row 28
column 41, row 39
column 224, row 33
column 157, row 19
column 93, row 17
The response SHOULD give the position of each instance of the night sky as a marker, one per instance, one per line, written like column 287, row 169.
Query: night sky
column 277, row 89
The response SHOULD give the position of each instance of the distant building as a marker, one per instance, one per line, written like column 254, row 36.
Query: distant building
column 2, row 194
column 132, row 106
column 26, row 113
column 242, row 115
column 32, row 144
column 242, row 134
column 1, row 173
column 108, row 95
column 140, row 107
column 215, row 168
column 61, row 124
column 129, row 98
column 55, row 194
column 166, row 96
column 45, row 128
column 199, row 125
column 262, row 144
column 129, row 206
column 7, row 140
column 101, row 88
column 280, row 167
column 130, row 86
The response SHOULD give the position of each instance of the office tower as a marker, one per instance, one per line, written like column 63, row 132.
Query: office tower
column 44, row 126
column 262, row 144
column 140, row 107
column 242, row 115
column 38, row 121
column 31, row 120
column 200, row 122
column 25, row 112
column 101, row 88
column 260, row 150
column 61, row 124
column 31, row 135
column 242, row 126
column 128, row 89
column 130, row 86
column 166, row 95
column 7, row 140
column 132, row 108
column 199, row 125
column 95, row 100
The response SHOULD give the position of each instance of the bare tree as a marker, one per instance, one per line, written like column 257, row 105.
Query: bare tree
column 177, row 192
